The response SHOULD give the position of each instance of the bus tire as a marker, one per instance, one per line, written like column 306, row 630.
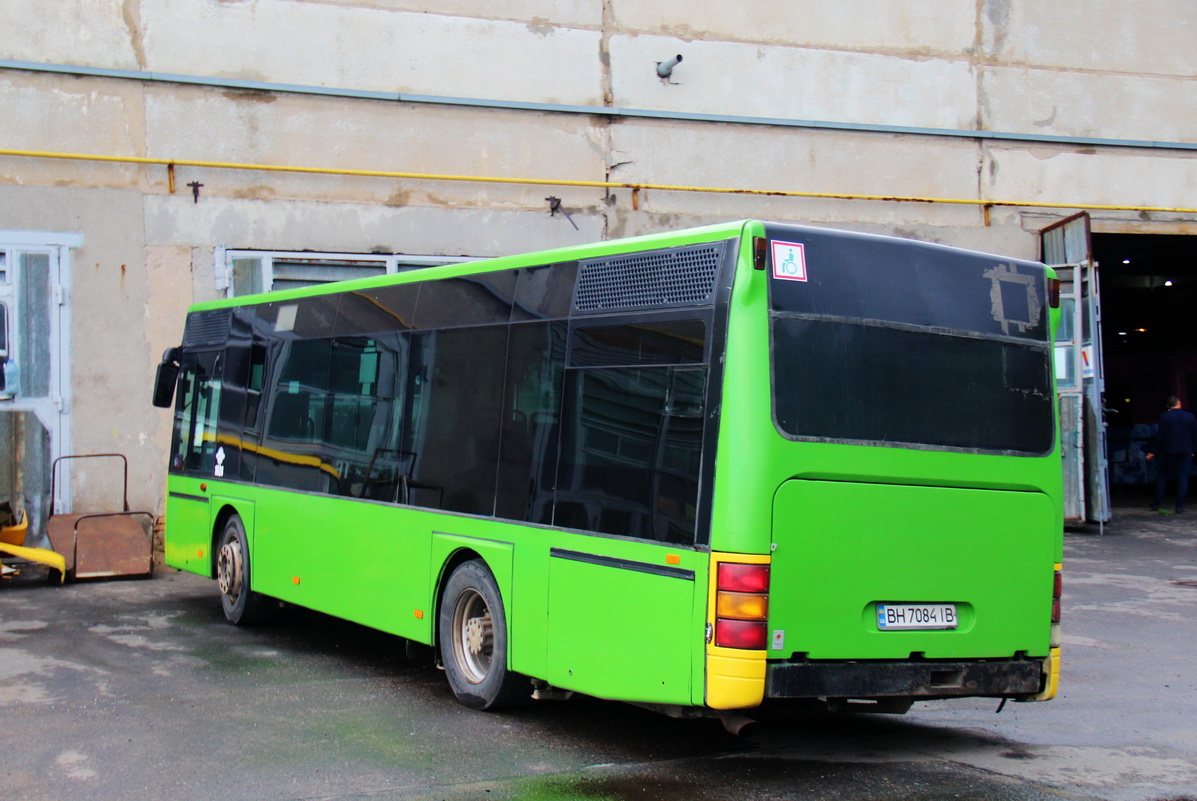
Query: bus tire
column 472, row 635
column 242, row 606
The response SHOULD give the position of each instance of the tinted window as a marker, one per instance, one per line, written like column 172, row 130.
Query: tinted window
column 545, row 292
column 302, row 318
column 474, row 300
column 897, row 280
column 631, row 446
column 370, row 311
column 531, row 422
column 453, row 418
column 672, row 342
column 291, row 453
column 197, row 398
column 850, row 381
column 234, row 402
column 360, row 441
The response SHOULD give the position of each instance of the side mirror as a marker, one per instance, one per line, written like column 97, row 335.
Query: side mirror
column 166, row 378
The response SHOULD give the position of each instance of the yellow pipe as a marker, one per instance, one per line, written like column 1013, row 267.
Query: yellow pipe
column 417, row 176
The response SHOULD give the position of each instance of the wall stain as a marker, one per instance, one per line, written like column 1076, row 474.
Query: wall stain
column 997, row 12
column 131, row 13
column 253, row 96
column 256, row 192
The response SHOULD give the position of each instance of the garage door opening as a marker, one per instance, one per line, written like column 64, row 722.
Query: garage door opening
column 1149, row 338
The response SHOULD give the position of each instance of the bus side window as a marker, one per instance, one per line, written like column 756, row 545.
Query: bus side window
column 361, row 439
column 292, row 452
column 531, row 422
column 198, row 399
column 456, row 393
column 630, row 451
column 253, row 387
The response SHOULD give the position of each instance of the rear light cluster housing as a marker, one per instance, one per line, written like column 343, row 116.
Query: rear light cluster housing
column 741, row 606
column 1057, row 591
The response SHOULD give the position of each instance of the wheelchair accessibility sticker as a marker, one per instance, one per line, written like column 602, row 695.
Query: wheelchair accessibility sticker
column 789, row 261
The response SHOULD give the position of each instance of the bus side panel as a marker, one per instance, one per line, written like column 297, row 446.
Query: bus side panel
column 364, row 562
column 188, row 535
column 618, row 631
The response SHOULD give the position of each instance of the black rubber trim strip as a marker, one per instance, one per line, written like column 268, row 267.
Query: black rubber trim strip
column 200, row 498
column 623, row 564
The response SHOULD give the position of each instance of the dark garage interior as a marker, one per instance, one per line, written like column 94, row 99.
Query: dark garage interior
column 1149, row 338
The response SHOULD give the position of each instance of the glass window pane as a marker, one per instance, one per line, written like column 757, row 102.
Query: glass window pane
column 909, row 282
column 545, row 292
column 362, row 434
column 631, row 445
column 198, row 399
column 531, row 422
column 292, row 455
column 911, row 387
column 305, row 317
column 452, row 429
column 378, row 309
column 247, row 276
column 368, row 311
column 673, row 342
column 296, row 273
column 33, row 310
column 475, row 300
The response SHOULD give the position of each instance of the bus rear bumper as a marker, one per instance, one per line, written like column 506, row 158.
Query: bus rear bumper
column 1007, row 678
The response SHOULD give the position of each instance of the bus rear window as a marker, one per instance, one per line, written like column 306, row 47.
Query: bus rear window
column 877, row 340
column 884, row 384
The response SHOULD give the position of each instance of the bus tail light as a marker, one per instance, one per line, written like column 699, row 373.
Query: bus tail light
column 1057, row 592
column 741, row 606
column 760, row 252
column 1053, row 293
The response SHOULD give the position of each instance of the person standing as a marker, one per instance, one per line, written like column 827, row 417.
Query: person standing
column 1174, row 444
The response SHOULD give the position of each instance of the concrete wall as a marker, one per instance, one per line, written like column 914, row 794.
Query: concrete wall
column 1097, row 68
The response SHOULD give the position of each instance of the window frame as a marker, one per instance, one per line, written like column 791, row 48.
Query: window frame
column 392, row 263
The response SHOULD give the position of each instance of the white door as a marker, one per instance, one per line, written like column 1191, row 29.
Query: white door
column 1080, row 378
column 35, row 372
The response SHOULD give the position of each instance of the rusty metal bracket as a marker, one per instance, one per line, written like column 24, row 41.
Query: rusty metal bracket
column 54, row 474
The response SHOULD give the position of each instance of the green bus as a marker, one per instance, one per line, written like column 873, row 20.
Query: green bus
column 738, row 467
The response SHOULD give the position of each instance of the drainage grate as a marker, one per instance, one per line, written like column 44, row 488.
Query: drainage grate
column 644, row 280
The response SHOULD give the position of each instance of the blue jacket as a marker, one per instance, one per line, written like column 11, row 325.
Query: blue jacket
column 1177, row 433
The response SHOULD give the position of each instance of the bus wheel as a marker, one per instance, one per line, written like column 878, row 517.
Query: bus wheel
column 472, row 633
column 242, row 606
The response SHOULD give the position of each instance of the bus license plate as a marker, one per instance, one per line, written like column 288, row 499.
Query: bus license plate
column 903, row 617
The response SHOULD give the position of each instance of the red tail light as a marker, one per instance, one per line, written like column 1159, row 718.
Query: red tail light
column 741, row 606
column 1057, row 591
column 737, row 577
column 1053, row 293
column 760, row 252
column 740, row 634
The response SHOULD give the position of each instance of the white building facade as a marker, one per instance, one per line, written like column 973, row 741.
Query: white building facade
column 163, row 152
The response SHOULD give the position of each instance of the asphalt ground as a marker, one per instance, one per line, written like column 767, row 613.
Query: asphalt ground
column 140, row 690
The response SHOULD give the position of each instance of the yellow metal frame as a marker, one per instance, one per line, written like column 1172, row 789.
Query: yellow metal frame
column 12, row 536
